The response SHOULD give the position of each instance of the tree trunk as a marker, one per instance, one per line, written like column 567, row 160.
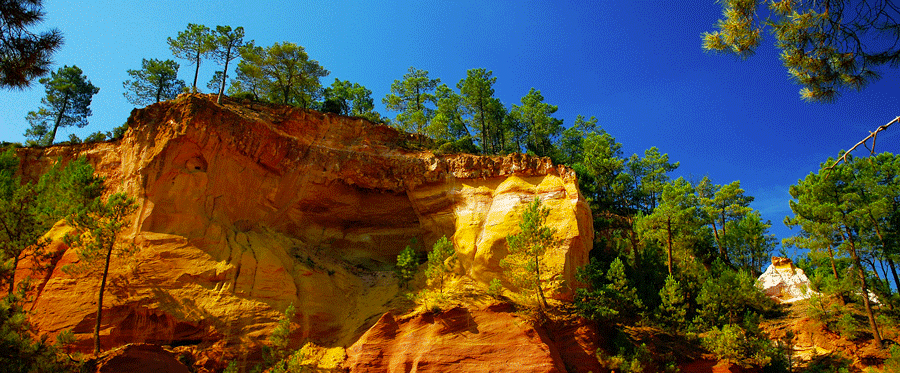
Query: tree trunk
column 540, row 288
column 59, row 117
column 669, row 229
column 224, row 75
column 865, row 290
column 197, row 69
column 100, row 302
column 831, row 256
column 893, row 271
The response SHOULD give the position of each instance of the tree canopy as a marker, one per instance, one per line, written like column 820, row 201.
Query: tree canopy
column 193, row 44
column 67, row 103
column 282, row 73
column 156, row 81
column 827, row 46
column 24, row 55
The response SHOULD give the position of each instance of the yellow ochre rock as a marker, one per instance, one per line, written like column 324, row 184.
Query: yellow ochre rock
column 246, row 208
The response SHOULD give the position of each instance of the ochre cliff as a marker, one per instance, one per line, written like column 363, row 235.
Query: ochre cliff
column 246, row 208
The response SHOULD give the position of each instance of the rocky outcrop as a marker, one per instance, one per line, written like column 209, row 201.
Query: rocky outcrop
column 140, row 358
column 246, row 208
column 463, row 340
column 784, row 282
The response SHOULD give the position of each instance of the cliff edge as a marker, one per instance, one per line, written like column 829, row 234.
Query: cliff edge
column 246, row 208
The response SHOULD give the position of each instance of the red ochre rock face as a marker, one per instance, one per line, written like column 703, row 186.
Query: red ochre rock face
column 245, row 208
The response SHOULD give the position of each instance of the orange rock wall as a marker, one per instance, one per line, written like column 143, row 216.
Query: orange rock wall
column 246, row 208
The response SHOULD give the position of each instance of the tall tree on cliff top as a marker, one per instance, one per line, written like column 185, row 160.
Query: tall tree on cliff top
column 226, row 42
column 478, row 98
column 193, row 44
column 448, row 122
column 283, row 73
column 412, row 97
column 94, row 237
column 831, row 199
column 541, row 129
column 24, row 55
column 156, row 81
column 827, row 45
column 249, row 77
column 345, row 98
column 67, row 103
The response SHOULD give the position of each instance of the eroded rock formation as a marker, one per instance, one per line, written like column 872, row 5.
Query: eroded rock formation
column 246, row 208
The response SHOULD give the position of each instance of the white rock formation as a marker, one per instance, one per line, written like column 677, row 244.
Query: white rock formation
column 784, row 282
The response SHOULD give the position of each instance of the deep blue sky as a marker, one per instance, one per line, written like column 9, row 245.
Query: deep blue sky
column 635, row 65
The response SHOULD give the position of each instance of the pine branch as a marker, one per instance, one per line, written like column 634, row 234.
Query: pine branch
column 872, row 135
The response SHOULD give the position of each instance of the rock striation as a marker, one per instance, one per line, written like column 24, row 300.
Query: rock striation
column 246, row 208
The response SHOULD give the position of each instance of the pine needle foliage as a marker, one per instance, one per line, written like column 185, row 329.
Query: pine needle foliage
column 826, row 46
column 524, row 265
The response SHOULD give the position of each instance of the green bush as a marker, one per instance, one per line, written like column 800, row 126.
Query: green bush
column 729, row 296
column 95, row 137
column 737, row 345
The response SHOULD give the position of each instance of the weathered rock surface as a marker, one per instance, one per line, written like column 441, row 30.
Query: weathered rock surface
column 463, row 340
column 784, row 282
column 246, row 208
column 140, row 358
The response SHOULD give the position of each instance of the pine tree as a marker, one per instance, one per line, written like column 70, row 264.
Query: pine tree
column 673, row 306
column 407, row 264
column 226, row 44
column 95, row 233
column 156, row 81
column 67, row 103
column 540, row 128
column 193, row 44
column 440, row 262
column 24, row 55
column 413, row 97
column 827, row 46
column 525, row 265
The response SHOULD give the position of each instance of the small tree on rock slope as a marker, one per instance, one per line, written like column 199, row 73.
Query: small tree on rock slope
column 94, row 237
column 524, row 265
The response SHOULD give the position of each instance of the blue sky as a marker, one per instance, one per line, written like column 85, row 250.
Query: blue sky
column 637, row 67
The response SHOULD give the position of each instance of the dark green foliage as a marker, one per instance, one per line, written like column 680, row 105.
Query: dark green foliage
column 24, row 55
column 539, row 129
column 477, row 93
column 463, row 145
column 281, row 73
column 730, row 297
column 827, row 46
column 610, row 296
column 96, row 137
column 118, row 132
column 673, row 305
column 193, row 44
column 280, row 338
column 19, row 353
column 351, row 99
column 226, row 43
column 413, row 97
column 740, row 346
column 67, row 103
column 156, row 81
column 28, row 210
